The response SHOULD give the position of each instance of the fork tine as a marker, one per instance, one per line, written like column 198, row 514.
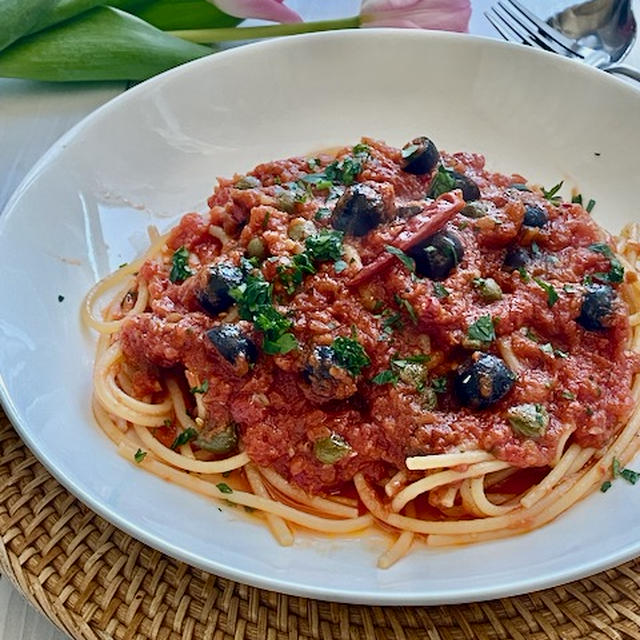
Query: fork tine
column 527, row 30
column 543, row 29
column 503, row 28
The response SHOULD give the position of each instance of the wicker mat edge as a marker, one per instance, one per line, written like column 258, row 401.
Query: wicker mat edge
column 96, row 582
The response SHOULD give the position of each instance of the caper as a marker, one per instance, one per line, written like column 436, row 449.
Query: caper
column 299, row 229
column 488, row 288
column 413, row 373
column 255, row 248
column 331, row 449
column 475, row 209
column 530, row 420
column 247, row 182
column 286, row 201
column 219, row 442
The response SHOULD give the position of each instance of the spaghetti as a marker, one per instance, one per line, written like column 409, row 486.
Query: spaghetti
column 381, row 337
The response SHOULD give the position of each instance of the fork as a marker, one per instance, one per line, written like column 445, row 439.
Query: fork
column 516, row 23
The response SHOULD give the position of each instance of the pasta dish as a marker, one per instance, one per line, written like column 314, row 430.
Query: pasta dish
column 381, row 337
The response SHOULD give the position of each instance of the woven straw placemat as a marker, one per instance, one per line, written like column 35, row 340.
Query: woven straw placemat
column 95, row 581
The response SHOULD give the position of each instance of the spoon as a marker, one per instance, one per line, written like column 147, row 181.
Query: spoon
column 608, row 26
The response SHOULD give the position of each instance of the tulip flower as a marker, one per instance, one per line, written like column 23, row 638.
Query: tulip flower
column 273, row 10
column 79, row 40
column 448, row 15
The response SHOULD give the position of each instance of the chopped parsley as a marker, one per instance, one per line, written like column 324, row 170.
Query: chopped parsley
column 60, row 298
column 482, row 330
column 616, row 270
column 552, row 294
column 440, row 291
column 520, row 186
column 292, row 274
column 180, row 270
column 350, row 355
column 186, row 436
column 385, row 377
column 320, row 247
column 524, row 276
column 254, row 299
column 325, row 245
column 139, row 455
column 223, row 487
column 203, row 388
column 342, row 172
column 406, row 260
column 409, row 307
column 631, row 476
column 567, row 395
column 577, row 199
column 442, row 182
column 552, row 194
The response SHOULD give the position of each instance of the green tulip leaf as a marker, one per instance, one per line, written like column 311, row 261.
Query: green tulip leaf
column 17, row 17
column 171, row 15
column 101, row 44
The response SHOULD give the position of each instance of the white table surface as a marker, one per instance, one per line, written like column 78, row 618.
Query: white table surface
column 33, row 116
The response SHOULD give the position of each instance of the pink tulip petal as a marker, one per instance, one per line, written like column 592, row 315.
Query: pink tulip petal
column 448, row 15
column 272, row 10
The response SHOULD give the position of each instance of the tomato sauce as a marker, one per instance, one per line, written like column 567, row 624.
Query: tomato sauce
column 379, row 414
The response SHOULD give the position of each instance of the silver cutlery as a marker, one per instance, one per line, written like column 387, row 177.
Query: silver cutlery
column 613, row 41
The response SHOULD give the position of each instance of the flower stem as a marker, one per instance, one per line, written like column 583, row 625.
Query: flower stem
column 207, row 36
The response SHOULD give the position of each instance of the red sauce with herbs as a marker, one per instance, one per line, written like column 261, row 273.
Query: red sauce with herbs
column 582, row 378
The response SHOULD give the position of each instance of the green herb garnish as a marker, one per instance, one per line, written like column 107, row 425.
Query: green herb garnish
column 482, row 330
column 552, row 294
column 186, row 436
column 406, row 260
column 551, row 194
column 616, row 270
column 385, row 377
column 350, row 355
column 325, row 245
column 440, row 290
column 254, row 299
column 409, row 307
column 139, row 455
column 223, row 487
column 203, row 388
column 443, row 181
column 179, row 269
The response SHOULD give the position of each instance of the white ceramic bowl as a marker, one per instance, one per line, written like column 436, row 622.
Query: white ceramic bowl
column 154, row 153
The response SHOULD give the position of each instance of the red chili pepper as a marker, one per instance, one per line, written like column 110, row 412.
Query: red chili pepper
column 431, row 219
